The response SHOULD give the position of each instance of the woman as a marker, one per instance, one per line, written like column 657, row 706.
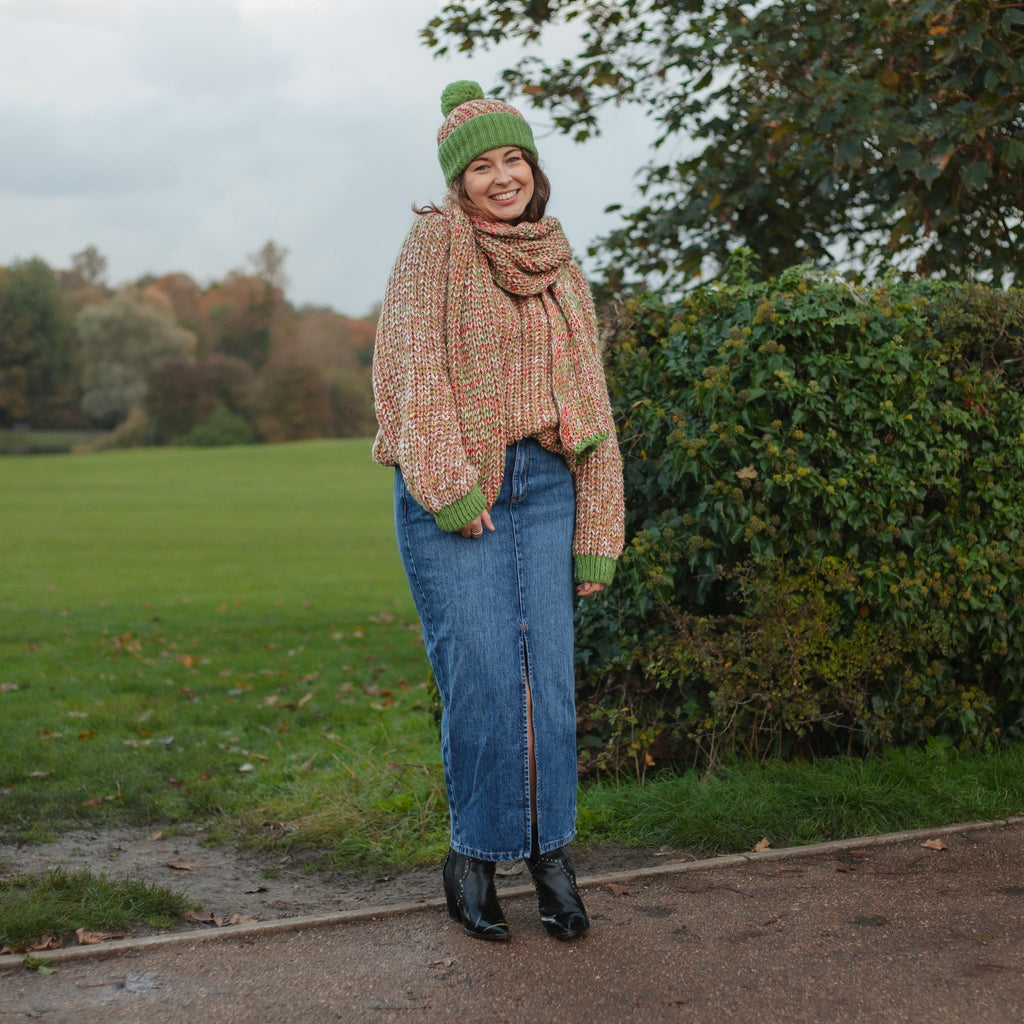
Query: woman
column 492, row 406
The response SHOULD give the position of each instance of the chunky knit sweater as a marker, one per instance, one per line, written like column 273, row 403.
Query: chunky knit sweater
column 487, row 336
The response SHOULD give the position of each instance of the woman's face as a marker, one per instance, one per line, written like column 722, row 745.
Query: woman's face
column 499, row 183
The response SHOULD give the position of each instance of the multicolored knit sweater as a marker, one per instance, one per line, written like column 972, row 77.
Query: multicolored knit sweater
column 487, row 336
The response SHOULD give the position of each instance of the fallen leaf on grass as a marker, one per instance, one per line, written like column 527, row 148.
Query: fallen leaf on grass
column 762, row 845
column 246, row 767
column 934, row 844
column 88, row 938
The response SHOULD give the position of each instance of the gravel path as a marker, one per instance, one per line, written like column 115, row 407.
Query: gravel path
column 876, row 931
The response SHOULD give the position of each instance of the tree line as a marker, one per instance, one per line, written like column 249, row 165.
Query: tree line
column 164, row 360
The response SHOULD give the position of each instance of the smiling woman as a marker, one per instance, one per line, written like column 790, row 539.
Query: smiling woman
column 493, row 410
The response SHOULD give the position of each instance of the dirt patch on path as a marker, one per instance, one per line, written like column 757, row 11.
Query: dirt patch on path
column 226, row 883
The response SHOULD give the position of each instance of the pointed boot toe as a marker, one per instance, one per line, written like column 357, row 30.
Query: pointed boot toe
column 561, row 905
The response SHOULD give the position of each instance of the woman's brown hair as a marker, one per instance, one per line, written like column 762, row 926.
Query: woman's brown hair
column 535, row 208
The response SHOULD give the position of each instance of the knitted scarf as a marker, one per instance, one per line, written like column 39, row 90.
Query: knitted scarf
column 534, row 261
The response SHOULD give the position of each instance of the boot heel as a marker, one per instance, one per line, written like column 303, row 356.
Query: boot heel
column 453, row 903
column 469, row 892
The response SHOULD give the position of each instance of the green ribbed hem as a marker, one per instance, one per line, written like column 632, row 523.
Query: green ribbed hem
column 455, row 516
column 584, row 448
column 594, row 569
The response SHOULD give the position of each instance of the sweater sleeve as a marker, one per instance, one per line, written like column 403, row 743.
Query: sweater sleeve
column 600, row 502
column 600, row 514
column 418, row 421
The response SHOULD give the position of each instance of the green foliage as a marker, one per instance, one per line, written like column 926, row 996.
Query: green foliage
column 824, row 521
column 37, row 350
column 890, row 132
column 122, row 340
column 222, row 427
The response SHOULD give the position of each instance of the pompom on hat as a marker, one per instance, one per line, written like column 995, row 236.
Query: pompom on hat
column 474, row 124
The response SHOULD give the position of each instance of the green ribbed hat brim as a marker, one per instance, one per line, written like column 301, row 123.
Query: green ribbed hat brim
column 479, row 134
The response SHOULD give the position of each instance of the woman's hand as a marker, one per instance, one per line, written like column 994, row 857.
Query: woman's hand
column 586, row 589
column 475, row 529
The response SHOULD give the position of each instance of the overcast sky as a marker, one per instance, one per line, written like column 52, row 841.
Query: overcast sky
column 182, row 134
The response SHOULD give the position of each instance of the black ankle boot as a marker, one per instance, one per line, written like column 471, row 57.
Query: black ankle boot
column 561, row 906
column 469, row 888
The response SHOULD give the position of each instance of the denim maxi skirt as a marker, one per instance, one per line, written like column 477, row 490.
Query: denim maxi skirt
column 497, row 615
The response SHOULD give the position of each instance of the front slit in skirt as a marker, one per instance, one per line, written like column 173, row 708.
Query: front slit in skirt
column 497, row 616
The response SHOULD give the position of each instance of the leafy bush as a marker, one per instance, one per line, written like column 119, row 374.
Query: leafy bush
column 824, row 522
column 222, row 427
column 183, row 396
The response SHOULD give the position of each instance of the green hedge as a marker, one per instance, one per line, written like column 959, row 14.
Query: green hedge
column 825, row 503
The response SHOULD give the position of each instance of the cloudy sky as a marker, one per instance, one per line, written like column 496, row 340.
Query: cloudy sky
column 182, row 134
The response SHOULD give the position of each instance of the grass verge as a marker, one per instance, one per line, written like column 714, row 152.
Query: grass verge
column 794, row 803
column 58, row 902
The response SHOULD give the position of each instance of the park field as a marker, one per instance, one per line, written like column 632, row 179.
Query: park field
column 223, row 639
column 221, row 636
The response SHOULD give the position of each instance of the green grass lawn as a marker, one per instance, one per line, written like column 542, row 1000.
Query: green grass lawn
column 224, row 638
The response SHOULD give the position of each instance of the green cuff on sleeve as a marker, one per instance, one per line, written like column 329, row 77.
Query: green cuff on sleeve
column 455, row 516
column 594, row 569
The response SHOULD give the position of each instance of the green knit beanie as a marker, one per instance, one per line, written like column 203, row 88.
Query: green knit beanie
column 473, row 125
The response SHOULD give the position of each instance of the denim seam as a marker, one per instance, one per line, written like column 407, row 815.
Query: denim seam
column 522, row 453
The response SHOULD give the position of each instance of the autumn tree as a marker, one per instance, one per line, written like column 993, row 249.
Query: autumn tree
column 293, row 399
column 248, row 316
column 189, row 305
column 879, row 133
column 89, row 267
column 268, row 262
column 121, row 341
column 183, row 394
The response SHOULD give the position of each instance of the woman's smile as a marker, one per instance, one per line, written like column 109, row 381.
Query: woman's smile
column 499, row 183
